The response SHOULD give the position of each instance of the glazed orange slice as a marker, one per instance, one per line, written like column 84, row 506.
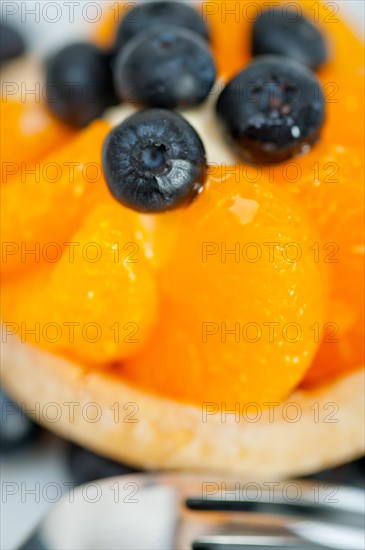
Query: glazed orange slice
column 28, row 132
column 47, row 204
column 334, row 194
column 97, row 303
column 328, row 182
column 237, row 308
column 345, row 107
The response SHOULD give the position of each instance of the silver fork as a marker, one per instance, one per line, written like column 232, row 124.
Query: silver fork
column 189, row 512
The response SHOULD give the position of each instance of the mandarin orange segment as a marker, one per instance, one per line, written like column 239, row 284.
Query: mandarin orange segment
column 333, row 190
column 345, row 107
column 238, row 307
column 159, row 235
column 341, row 38
column 28, row 132
column 329, row 182
column 106, row 30
column 230, row 31
column 47, row 205
column 98, row 302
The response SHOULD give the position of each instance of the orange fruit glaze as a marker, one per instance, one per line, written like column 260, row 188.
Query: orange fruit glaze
column 184, row 306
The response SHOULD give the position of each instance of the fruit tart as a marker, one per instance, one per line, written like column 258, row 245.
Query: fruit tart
column 182, row 249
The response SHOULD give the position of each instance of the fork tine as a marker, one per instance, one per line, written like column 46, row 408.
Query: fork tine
column 234, row 542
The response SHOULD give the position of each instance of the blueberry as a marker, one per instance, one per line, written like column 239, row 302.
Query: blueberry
column 144, row 17
column 284, row 32
column 272, row 110
column 17, row 429
column 154, row 161
column 166, row 67
column 86, row 466
column 11, row 43
column 79, row 84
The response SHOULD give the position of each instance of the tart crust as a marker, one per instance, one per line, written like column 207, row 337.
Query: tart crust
column 312, row 430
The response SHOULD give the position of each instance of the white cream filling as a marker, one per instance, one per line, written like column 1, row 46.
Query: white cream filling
column 202, row 118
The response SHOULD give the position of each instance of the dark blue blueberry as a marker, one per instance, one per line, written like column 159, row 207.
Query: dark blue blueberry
column 145, row 16
column 79, row 84
column 272, row 110
column 11, row 43
column 154, row 161
column 283, row 31
column 166, row 67
column 86, row 466
column 17, row 429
